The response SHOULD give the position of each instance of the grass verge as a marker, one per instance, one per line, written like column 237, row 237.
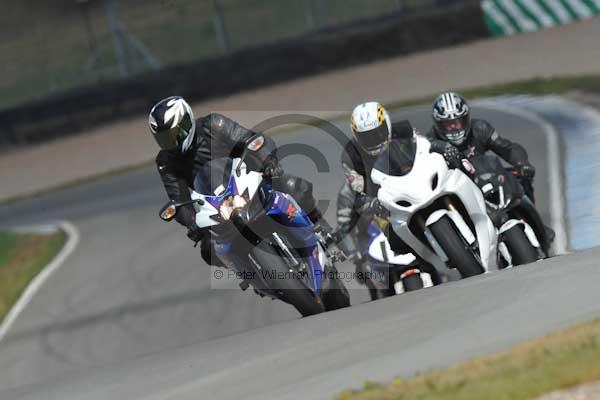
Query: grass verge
column 559, row 360
column 22, row 257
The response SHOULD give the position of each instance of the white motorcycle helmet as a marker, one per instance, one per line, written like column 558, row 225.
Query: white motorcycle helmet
column 372, row 127
column 452, row 118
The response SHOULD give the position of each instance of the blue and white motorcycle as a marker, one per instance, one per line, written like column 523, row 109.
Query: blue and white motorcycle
column 265, row 237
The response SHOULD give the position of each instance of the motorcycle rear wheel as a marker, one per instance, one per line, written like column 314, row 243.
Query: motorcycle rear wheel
column 412, row 282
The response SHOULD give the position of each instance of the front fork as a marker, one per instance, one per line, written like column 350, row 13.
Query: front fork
column 457, row 220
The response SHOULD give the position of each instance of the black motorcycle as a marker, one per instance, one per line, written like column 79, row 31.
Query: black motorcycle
column 522, row 235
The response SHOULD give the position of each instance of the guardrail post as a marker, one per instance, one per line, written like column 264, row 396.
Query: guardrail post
column 316, row 13
column 220, row 28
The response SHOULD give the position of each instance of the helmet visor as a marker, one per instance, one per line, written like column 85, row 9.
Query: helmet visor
column 373, row 139
column 167, row 139
column 454, row 129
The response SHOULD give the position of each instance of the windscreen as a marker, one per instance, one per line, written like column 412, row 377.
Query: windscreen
column 487, row 164
column 213, row 174
column 486, row 169
column 397, row 158
column 489, row 173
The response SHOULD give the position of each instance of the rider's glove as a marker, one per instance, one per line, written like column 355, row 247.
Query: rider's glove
column 372, row 207
column 526, row 170
column 195, row 234
column 452, row 155
column 272, row 168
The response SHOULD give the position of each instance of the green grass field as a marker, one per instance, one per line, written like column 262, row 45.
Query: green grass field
column 22, row 257
column 560, row 360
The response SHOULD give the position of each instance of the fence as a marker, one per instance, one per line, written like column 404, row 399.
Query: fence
column 76, row 110
column 507, row 17
column 49, row 47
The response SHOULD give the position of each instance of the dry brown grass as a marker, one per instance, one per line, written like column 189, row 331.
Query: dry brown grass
column 560, row 360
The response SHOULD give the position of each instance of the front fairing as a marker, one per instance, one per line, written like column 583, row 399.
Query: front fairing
column 241, row 182
column 269, row 212
column 429, row 180
column 379, row 251
column 294, row 222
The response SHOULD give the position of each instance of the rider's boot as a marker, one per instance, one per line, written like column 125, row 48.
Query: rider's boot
column 550, row 234
column 360, row 270
column 528, row 188
column 537, row 221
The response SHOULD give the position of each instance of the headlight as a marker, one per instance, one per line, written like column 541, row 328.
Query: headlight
column 230, row 204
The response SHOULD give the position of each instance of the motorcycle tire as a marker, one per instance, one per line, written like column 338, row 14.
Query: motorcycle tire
column 412, row 282
column 293, row 289
column 377, row 294
column 336, row 296
column 459, row 252
column 519, row 246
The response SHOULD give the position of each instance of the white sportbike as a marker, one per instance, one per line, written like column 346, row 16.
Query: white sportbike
column 438, row 212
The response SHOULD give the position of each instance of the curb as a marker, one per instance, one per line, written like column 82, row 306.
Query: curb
column 36, row 283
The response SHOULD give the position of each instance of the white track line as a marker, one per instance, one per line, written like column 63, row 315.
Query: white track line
column 37, row 282
column 557, row 202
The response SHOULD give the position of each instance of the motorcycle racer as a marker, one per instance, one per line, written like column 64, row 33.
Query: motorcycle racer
column 357, row 199
column 187, row 144
column 456, row 135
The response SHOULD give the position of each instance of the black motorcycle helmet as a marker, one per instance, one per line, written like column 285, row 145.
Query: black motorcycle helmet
column 172, row 124
column 452, row 118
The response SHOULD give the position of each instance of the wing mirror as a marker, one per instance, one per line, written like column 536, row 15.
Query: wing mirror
column 169, row 210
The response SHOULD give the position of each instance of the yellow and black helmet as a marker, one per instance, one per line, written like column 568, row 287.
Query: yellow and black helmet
column 371, row 125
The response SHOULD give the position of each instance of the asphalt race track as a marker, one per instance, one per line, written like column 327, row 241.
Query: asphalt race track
column 317, row 357
column 136, row 299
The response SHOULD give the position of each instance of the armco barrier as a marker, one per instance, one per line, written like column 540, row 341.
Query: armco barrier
column 362, row 41
column 508, row 17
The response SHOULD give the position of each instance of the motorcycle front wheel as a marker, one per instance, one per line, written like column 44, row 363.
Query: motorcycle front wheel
column 459, row 252
column 335, row 295
column 519, row 246
column 281, row 279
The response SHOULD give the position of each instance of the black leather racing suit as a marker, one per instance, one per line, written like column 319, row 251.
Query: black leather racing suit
column 482, row 138
column 217, row 136
column 358, row 189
